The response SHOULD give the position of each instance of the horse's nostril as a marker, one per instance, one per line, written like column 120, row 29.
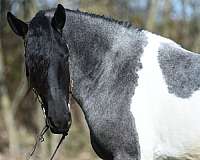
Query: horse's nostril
column 50, row 123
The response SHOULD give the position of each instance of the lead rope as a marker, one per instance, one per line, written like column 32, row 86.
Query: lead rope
column 39, row 138
column 61, row 140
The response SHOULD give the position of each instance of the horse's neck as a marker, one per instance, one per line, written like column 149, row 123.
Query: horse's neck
column 103, row 65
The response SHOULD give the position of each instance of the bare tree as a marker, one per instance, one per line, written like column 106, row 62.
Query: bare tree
column 10, row 105
column 166, row 16
column 5, row 101
column 151, row 17
column 195, row 5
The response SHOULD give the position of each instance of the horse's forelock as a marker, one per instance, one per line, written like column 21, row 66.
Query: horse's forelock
column 38, row 42
column 40, row 48
column 37, row 69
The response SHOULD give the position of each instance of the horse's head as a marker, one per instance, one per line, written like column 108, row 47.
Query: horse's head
column 47, row 66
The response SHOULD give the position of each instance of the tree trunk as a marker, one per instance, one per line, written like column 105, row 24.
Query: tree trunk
column 166, row 16
column 195, row 7
column 5, row 103
column 151, row 17
column 196, row 46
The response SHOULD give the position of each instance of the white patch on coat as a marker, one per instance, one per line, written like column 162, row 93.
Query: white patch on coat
column 166, row 125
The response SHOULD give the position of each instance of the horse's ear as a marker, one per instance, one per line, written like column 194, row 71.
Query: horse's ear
column 58, row 20
column 18, row 26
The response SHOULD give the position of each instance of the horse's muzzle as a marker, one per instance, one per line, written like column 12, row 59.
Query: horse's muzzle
column 59, row 127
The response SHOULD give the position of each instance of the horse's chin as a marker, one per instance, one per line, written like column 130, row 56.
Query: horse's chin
column 59, row 130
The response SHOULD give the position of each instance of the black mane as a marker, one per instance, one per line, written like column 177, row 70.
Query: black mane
column 125, row 24
column 108, row 19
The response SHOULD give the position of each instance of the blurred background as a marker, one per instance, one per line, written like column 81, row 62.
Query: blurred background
column 21, row 116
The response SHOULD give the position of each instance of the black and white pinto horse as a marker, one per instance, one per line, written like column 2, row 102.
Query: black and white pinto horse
column 139, row 91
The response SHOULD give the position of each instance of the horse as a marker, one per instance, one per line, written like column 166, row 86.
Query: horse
column 139, row 91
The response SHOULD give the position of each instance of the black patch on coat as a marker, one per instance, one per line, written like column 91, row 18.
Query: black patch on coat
column 181, row 70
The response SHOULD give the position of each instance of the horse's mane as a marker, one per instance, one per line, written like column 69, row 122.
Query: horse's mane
column 109, row 19
column 125, row 24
